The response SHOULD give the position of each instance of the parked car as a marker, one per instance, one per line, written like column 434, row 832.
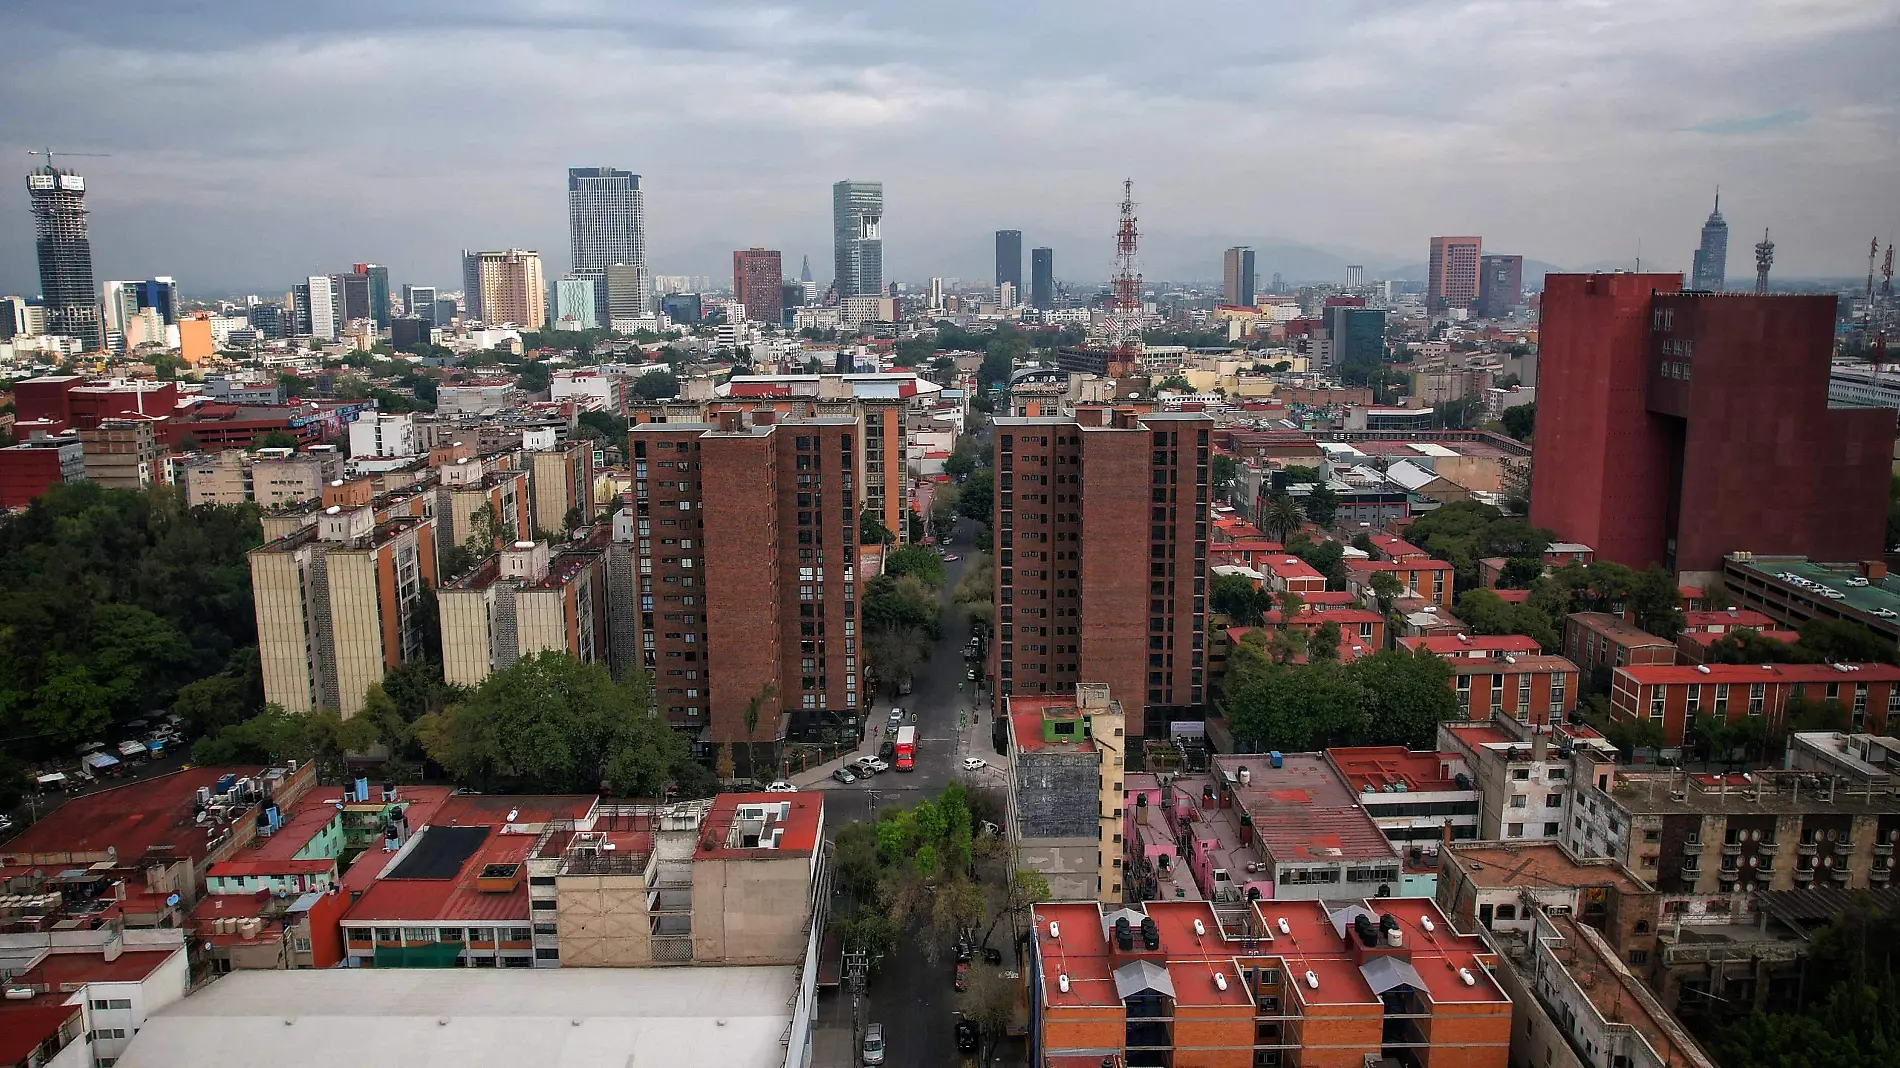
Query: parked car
column 875, row 765
column 951, row 558
column 780, row 786
column 963, row 975
column 874, row 1044
column 966, row 1036
column 865, row 766
column 845, row 776
column 970, row 674
column 974, row 763
column 897, row 717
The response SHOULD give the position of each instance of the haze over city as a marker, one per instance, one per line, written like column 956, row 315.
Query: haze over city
column 249, row 145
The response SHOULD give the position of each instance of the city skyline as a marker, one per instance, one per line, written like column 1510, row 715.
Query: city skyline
column 1775, row 115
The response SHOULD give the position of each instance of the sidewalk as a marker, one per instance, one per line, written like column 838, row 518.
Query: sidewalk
column 818, row 773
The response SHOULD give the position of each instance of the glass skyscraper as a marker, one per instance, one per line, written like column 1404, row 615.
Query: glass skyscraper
column 1009, row 259
column 857, row 227
column 606, row 224
column 65, row 251
column 1042, row 277
column 1710, row 267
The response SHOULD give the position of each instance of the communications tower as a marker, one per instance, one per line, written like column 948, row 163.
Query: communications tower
column 1124, row 340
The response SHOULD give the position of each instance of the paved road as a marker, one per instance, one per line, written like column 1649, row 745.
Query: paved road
column 914, row 998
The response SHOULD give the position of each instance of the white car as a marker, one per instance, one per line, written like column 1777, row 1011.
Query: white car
column 951, row 558
column 974, row 763
column 874, row 765
column 780, row 786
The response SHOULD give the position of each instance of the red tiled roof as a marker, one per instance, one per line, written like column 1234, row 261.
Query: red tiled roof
column 428, row 900
column 1729, row 619
column 1466, row 644
column 238, row 869
column 1652, row 674
column 61, row 969
column 130, row 819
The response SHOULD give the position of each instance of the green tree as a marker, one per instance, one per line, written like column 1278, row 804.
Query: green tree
column 1324, row 643
column 1845, row 641
column 1407, row 696
column 943, row 512
column 277, row 439
column 1386, row 589
column 902, row 601
column 1519, row 572
column 656, row 385
column 1520, row 421
column 1282, row 518
column 533, row 377
column 1321, row 505
column 916, row 560
column 872, row 532
column 1238, row 598
column 550, row 723
column 975, row 498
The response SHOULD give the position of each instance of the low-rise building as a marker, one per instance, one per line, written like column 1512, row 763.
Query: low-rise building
column 1418, row 799
column 122, row 453
column 272, row 477
column 1066, row 790
column 111, row 991
column 1425, row 578
column 1674, row 697
column 1523, row 772
column 1602, row 642
column 1268, row 983
column 37, row 464
column 1529, row 688
column 1861, row 758
column 1794, row 589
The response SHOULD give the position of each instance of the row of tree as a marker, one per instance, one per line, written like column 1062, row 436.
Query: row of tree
column 1389, row 698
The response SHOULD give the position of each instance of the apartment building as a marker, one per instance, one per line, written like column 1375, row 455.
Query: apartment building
column 562, row 481
column 36, row 465
column 1523, row 772
column 1600, row 641
column 338, row 605
column 482, row 487
column 123, row 453
column 1674, row 697
column 270, row 477
column 525, row 599
column 760, row 518
column 1276, row 983
column 109, row 992
column 1073, row 501
column 1528, row 687
column 1422, row 577
column 1065, row 790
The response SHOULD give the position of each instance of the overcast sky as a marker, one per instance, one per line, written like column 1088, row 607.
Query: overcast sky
column 254, row 142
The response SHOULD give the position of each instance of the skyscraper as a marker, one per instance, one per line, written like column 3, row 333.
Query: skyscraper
column 1009, row 258
column 378, row 276
column 1237, row 276
column 857, row 233
column 59, row 229
column 575, row 302
column 352, row 297
column 1710, row 267
column 1042, row 277
column 1135, row 481
column 505, row 287
column 316, row 313
column 1500, row 285
column 1453, row 278
column 1355, row 275
column 419, row 300
column 606, row 223
column 161, row 295
column 121, row 304
column 1645, row 397
column 756, row 274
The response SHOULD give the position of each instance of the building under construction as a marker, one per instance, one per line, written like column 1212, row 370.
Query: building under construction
column 59, row 227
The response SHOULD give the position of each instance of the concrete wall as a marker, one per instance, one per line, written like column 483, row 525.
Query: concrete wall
column 356, row 619
column 751, row 911
column 603, row 921
column 277, row 595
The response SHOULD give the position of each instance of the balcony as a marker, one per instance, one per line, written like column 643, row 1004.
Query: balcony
column 1883, row 849
column 1804, row 875
column 1839, row 875
column 1807, row 849
column 1731, row 849
column 1768, row 848
column 1692, row 849
column 1844, row 847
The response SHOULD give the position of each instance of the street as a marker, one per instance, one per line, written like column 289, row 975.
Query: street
column 913, row 997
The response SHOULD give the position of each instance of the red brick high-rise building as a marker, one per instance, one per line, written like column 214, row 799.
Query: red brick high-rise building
column 1101, row 559
column 756, row 276
column 1452, row 278
column 1675, row 427
column 745, row 569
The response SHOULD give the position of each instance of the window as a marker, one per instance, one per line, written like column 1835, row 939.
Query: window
column 1721, row 699
column 1519, row 801
column 1520, row 774
column 1693, row 702
column 1515, row 830
column 1756, row 691
column 1553, row 800
column 1658, row 696
column 1639, row 956
column 1551, row 829
column 112, row 1003
column 546, row 953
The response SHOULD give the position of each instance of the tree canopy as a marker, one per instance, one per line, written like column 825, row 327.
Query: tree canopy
column 916, row 560
column 1388, row 698
column 551, row 723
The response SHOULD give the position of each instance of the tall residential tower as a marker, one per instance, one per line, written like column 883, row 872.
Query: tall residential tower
column 1453, row 278
column 606, row 224
column 1042, row 277
column 857, row 231
column 1237, row 276
column 59, row 231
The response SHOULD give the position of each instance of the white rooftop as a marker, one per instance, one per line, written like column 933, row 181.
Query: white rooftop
column 476, row 1018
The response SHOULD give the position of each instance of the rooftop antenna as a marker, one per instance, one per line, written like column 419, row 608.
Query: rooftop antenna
column 1764, row 259
column 1639, row 246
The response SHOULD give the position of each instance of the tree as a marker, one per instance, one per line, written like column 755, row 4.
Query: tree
column 943, row 512
column 606, row 427
column 975, row 499
column 1407, row 696
column 1520, row 421
column 656, row 385
column 1745, row 645
column 916, row 560
column 1236, row 597
column 1324, row 643
column 1845, row 641
column 872, row 532
column 902, row 601
column 551, row 723
column 1385, row 590
column 1282, row 518
column 1519, row 572
column 990, row 1004
column 912, row 351
column 1175, row 383
column 533, row 377
column 1322, row 504
column 894, row 653
column 276, row 439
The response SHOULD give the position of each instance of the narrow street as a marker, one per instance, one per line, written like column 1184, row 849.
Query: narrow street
column 912, row 997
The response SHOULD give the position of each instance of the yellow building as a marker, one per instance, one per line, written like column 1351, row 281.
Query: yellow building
column 523, row 600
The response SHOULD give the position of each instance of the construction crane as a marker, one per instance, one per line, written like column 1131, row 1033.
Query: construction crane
column 48, row 153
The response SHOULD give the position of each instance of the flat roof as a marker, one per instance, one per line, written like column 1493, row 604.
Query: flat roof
column 1303, row 811
column 1503, row 865
column 1878, row 594
column 1621, row 630
column 1673, row 674
column 476, row 1018
column 802, row 826
column 58, row 969
column 425, row 895
column 1378, row 766
column 130, row 819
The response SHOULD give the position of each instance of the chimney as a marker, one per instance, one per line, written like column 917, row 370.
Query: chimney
column 763, row 415
column 731, row 422
column 1540, row 740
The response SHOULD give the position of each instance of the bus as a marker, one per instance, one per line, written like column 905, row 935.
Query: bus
column 906, row 748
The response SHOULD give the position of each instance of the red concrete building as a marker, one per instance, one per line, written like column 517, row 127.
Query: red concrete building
column 1528, row 688
column 1675, row 696
column 73, row 402
column 1654, row 456
column 1599, row 641
column 756, row 277
column 1079, row 506
column 36, row 465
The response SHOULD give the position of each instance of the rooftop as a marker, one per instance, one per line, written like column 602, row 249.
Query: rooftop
column 1478, row 645
column 1616, row 628
column 1672, row 674
column 1617, row 995
column 1302, row 810
column 477, row 1018
column 1852, row 589
column 736, row 819
column 1372, row 768
column 435, row 878
column 1501, row 865
column 130, row 820
column 1758, row 792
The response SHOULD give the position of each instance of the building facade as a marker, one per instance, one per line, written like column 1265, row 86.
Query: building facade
column 857, row 229
column 1709, row 270
column 562, row 480
column 756, row 277
column 1042, row 278
column 520, row 601
column 1452, row 278
column 606, row 224
column 1237, row 274
column 505, row 287
column 60, row 236
column 1500, row 285
column 123, row 454
column 1009, row 259
column 1065, row 791
column 1071, row 502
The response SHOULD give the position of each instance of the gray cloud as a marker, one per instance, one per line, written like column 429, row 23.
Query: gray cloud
column 254, row 143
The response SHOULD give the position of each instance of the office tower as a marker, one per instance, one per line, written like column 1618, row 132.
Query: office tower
column 338, row 604
column 316, row 317
column 267, row 320
column 65, row 254
column 445, row 312
column 1076, row 498
column 575, row 303
column 1650, row 451
column 561, row 480
column 161, row 294
column 804, row 270
column 505, row 288
column 408, row 333
column 1009, row 258
column 1500, row 285
column 1237, row 277
column 747, row 579
column 936, row 293
column 606, row 224
column 418, row 300
column 1355, row 275
column 378, row 277
column 121, row 304
column 1278, row 285
column 352, row 298
column 756, row 274
column 1710, row 267
column 857, row 232
column 1355, row 336
column 682, row 307
column 1042, row 278
column 1452, row 281
column 16, row 318
column 791, row 294
column 626, row 292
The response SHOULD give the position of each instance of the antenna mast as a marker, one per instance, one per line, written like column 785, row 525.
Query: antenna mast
column 1764, row 259
column 1125, row 303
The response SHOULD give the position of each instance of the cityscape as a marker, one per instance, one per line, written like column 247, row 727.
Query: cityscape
column 1140, row 650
